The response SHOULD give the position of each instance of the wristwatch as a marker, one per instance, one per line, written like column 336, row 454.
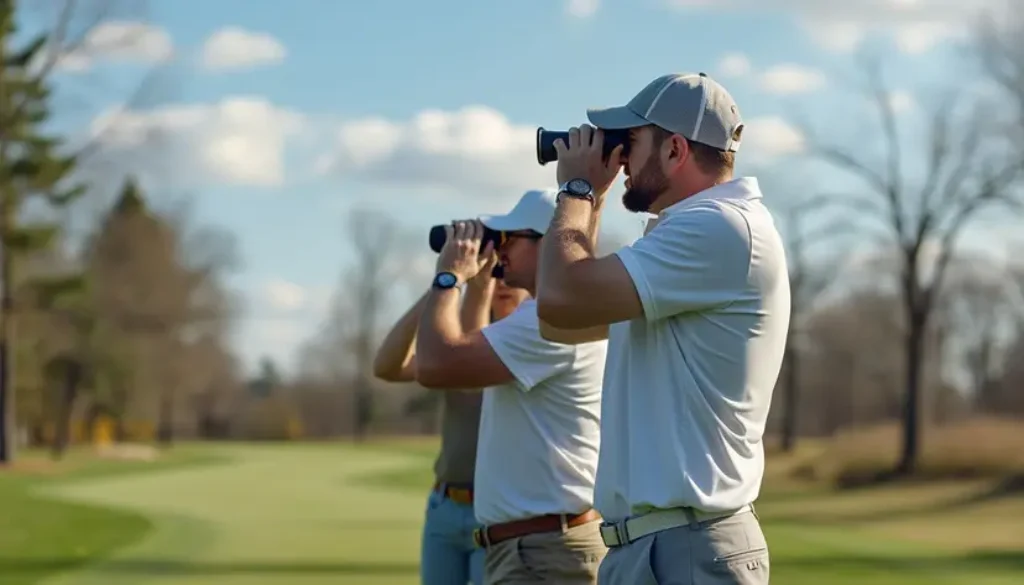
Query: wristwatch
column 577, row 189
column 445, row 280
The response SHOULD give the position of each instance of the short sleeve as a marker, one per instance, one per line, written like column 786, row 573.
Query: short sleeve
column 517, row 341
column 692, row 260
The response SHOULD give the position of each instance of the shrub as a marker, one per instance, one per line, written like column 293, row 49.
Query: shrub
column 268, row 419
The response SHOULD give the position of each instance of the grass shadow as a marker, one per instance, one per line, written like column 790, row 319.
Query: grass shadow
column 998, row 561
column 162, row 568
column 1009, row 487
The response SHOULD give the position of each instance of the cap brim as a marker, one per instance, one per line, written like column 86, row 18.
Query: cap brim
column 502, row 223
column 617, row 118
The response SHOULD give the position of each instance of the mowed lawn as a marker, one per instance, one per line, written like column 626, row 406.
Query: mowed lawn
column 332, row 513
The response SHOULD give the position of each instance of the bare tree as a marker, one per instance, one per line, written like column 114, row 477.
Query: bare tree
column 980, row 308
column 968, row 167
column 850, row 366
column 384, row 258
column 807, row 282
column 1002, row 53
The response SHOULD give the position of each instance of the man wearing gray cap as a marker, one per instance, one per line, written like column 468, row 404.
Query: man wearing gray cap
column 539, row 433
column 698, row 312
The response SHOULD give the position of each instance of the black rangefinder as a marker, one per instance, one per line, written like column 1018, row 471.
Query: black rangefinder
column 546, row 143
column 438, row 236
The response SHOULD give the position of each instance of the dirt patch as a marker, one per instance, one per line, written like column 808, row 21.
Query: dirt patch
column 34, row 467
column 128, row 452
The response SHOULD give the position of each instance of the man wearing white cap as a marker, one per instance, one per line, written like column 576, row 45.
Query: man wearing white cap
column 539, row 423
column 698, row 310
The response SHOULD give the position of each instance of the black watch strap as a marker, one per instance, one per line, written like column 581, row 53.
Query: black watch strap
column 445, row 280
column 581, row 196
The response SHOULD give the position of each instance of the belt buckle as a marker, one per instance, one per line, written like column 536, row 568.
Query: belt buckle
column 480, row 537
column 622, row 532
column 460, row 495
column 619, row 530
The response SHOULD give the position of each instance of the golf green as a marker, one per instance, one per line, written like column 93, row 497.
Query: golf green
column 312, row 514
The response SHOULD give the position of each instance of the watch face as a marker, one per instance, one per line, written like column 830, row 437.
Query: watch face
column 446, row 280
column 579, row 186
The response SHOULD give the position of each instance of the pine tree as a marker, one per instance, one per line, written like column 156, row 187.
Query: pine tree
column 31, row 167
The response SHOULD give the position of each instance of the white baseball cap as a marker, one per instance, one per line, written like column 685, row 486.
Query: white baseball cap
column 534, row 211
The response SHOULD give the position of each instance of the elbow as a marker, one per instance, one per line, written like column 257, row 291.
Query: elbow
column 431, row 369
column 383, row 371
column 385, row 375
column 554, row 309
column 430, row 377
column 379, row 371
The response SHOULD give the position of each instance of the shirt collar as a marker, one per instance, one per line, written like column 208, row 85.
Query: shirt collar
column 745, row 188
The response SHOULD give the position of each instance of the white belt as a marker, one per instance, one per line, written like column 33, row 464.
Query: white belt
column 632, row 529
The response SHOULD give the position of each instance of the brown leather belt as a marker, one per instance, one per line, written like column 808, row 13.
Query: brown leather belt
column 492, row 535
column 458, row 493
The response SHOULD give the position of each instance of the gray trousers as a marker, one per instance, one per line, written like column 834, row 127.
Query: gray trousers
column 724, row 551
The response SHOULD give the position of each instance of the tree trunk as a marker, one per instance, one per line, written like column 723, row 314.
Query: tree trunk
column 791, row 410
column 912, row 397
column 68, row 394
column 62, row 436
column 363, row 409
column 120, row 433
column 8, row 420
column 165, row 427
column 7, row 423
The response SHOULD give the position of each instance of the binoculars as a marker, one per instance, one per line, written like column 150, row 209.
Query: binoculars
column 438, row 236
column 546, row 143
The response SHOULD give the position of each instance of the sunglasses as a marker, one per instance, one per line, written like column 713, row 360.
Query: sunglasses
column 508, row 236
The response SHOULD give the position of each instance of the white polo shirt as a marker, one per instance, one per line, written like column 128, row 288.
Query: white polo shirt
column 539, row 435
column 687, row 386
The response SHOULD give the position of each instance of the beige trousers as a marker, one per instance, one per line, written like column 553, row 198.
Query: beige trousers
column 571, row 557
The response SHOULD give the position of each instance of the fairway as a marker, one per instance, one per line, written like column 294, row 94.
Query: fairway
column 288, row 514
column 312, row 514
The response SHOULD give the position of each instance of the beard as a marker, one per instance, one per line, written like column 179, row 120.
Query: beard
column 645, row 187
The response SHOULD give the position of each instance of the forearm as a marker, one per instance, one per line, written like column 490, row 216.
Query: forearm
column 595, row 227
column 440, row 329
column 476, row 307
column 397, row 351
column 570, row 239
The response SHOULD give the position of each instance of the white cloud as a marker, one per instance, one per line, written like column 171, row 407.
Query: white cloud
column 902, row 101
column 582, row 8
column 837, row 37
column 791, row 79
column 921, row 37
column 734, row 65
column 284, row 295
column 771, row 137
column 239, row 140
column 119, row 41
column 914, row 25
column 237, row 48
column 273, row 337
column 475, row 150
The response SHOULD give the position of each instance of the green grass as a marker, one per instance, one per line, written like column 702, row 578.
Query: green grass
column 333, row 513
column 40, row 535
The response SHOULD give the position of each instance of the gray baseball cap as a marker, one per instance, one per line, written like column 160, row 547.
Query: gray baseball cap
column 689, row 104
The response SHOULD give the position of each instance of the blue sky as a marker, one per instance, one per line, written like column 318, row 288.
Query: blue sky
column 277, row 119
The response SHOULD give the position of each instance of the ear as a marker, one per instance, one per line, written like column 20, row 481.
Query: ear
column 678, row 152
